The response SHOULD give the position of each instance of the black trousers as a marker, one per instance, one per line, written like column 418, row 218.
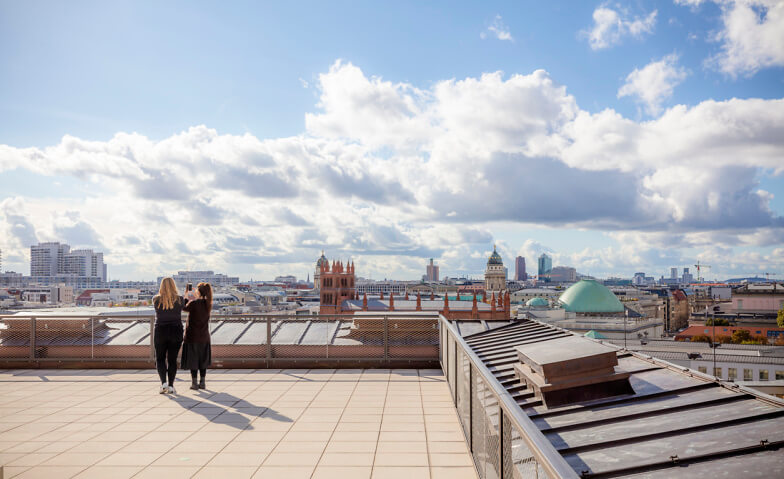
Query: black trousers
column 168, row 339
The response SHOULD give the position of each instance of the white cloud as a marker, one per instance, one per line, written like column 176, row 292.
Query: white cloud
column 393, row 174
column 654, row 83
column 610, row 26
column 498, row 30
column 752, row 37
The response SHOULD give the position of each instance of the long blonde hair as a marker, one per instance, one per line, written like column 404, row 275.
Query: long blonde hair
column 167, row 294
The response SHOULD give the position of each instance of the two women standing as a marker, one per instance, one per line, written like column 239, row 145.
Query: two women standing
column 168, row 333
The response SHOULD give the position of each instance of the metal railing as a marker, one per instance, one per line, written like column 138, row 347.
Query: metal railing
column 504, row 442
column 263, row 340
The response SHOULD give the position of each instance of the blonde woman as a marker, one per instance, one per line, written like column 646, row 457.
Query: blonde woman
column 168, row 332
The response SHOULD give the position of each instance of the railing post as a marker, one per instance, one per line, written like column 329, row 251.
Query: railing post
column 386, row 340
column 501, row 441
column 92, row 339
column 32, row 338
column 269, row 341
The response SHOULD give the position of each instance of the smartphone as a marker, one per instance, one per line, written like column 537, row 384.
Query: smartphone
column 189, row 287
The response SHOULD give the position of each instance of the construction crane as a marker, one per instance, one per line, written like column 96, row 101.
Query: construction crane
column 699, row 267
column 768, row 275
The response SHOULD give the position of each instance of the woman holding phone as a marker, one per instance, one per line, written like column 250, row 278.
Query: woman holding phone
column 197, row 352
column 167, row 334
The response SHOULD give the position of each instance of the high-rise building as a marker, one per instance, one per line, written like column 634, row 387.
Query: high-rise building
column 432, row 272
column 687, row 277
column 545, row 266
column 48, row 259
column 520, row 274
column 54, row 259
column 85, row 262
column 673, row 273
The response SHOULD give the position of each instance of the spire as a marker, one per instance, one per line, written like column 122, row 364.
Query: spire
column 382, row 295
column 492, row 306
column 474, row 309
column 432, row 295
column 391, row 301
column 406, row 295
column 364, row 302
column 419, row 302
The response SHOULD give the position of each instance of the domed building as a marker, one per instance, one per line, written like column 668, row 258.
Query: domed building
column 317, row 276
column 537, row 303
column 590, row 298
column 495, row 274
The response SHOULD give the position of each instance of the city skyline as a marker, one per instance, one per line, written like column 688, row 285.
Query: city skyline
column 245, row 139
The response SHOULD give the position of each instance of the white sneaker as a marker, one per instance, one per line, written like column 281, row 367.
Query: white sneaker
column 164, row 389
column 172, row 390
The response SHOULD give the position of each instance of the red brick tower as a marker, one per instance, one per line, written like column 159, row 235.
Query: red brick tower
column 337, row 285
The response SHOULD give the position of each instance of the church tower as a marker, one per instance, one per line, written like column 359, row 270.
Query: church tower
column 495, row 275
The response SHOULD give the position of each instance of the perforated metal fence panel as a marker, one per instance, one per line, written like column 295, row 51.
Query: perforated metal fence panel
column 478, row 418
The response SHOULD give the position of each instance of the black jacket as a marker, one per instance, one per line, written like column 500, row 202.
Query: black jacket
column 168, row 317
column 198, row 330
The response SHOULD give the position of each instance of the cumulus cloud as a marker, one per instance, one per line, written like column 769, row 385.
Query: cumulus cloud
column 498, row 30
column 610, row 26
column 654, row 83
column 751, row 36
column 396, row 173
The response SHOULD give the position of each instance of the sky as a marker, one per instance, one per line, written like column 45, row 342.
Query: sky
column 247, row 137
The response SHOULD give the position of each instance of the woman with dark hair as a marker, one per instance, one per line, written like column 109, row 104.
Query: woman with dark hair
column 196, row 351
column 167, row 334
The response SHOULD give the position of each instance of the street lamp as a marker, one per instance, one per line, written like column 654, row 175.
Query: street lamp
column 625, row 317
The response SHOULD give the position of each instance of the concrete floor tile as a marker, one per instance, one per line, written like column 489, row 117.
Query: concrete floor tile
column 448, row 447
column 51, row 472
column 401, row 446
column 453, row 473
column 450, row 460
column 169, row 472
column 114, row 472
column 75, row 459
column 184, row 459
column 401, row 458
column 30, row 460
column 250, row 446
column 287, row 472
column 238, row 459
column 341, row 446
column 129, row 459
column 221, row 472
column 399, row 472
column 301, row 446
column 330, row 472
column 292, row 459
column 347, row 459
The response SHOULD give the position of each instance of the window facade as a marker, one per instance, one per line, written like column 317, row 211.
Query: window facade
column 702, row 369
column 732, row 374
column 779, row 375
column 763, row 375
column 717, row 372
column 748, row 375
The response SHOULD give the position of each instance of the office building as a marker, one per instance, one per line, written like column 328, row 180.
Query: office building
column 54, row 259
column 673, row 273
column 432, row 272
column 563, row 274
column 545, row 266
column 520, row 274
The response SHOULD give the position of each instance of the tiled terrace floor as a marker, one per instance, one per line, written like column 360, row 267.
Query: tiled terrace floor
column 249, row 423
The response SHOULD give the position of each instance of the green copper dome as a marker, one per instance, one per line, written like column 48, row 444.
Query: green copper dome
column 588, row 296
column 495, row 258
column 537, row 302
column 321, row 260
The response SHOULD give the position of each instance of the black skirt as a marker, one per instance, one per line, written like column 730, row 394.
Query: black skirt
column 196, row 356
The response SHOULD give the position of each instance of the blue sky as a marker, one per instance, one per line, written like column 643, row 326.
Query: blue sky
column 355, row 89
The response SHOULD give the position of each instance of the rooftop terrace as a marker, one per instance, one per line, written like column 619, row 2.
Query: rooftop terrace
column 319, row 423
